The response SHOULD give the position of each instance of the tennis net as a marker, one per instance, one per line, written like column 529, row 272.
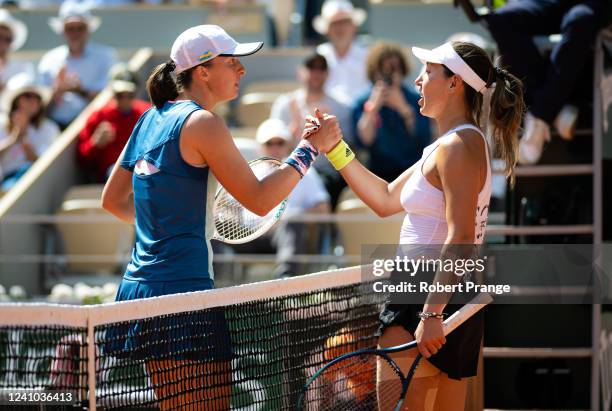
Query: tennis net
column 248, row 347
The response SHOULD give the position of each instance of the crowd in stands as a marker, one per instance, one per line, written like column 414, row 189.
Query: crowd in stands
column 364, row 85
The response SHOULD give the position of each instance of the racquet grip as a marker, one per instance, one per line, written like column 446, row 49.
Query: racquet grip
column 464, row 313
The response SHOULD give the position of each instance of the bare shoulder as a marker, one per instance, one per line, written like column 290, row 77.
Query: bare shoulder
column 203, row 122
column 204, row 118
column 462, row 147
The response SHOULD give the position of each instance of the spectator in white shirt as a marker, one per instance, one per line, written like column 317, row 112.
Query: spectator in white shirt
column 25, row 132
column 45, row 4
column 13, row 34
column 292, row 108
column 339, row 21
column 78, row 70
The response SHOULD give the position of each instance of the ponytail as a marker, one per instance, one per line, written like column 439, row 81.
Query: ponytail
column 160, row 84
column 507, row 108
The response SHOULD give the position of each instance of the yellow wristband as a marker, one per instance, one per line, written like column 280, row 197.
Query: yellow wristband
column 340, row 155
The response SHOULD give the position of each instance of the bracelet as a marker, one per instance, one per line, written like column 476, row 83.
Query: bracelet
column 423, row 315
column 340, row 155
column 302, row 157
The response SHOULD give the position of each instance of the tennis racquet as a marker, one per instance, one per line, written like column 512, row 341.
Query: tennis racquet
column 348, row 382
column 234, row 224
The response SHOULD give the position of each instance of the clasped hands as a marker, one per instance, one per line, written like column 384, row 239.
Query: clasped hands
column 323, row 131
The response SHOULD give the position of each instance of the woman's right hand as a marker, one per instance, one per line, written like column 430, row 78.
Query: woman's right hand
column 323, row 132
column 20, row 120
column 378, row 96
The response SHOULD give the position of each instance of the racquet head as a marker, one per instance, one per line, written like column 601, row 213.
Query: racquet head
column 349, row 381
column 234, row 224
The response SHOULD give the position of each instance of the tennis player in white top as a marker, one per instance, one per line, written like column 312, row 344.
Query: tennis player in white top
column 445, row 196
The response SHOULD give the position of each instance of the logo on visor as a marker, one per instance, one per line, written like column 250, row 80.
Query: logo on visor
column 205, row 56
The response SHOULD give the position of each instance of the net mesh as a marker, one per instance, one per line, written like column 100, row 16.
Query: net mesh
column 254, row 355
column 44, row 358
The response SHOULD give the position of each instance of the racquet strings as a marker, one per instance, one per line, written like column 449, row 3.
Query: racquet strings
column 350, row 384
column 233, row 222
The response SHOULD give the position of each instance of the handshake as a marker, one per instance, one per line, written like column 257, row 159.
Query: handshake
column 322, row 131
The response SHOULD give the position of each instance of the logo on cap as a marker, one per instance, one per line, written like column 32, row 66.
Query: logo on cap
column 205, row 56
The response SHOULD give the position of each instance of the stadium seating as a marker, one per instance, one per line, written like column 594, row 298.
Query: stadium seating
column 254, row 108
column 370, row 231
column 92, row 238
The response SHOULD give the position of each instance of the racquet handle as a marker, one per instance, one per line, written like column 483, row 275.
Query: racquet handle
column 464, row 313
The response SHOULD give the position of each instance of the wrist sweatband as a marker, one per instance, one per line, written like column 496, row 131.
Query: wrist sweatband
column 302, row 157
column 340, row 155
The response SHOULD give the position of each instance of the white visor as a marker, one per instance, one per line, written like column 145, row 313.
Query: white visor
column 446, row 55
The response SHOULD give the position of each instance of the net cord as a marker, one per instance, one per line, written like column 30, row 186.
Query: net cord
column 33, row 314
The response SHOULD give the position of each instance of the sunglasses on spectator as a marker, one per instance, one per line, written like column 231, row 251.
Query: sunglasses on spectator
column 78, row 28
column 6, row 39
column 317, row 68
column 124, row 95
column 275, row 142
column 30, row 94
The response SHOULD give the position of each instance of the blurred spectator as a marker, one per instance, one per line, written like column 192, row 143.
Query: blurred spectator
column 550, row 82
column 387, row 121
column 309, row 196
column 25, row 132
column 345, row 57
column 108, row 129
column 78, row 70
column 292, row 108
column 271, row 7
column 38, row 4
column 13, row 34
column 45, row 4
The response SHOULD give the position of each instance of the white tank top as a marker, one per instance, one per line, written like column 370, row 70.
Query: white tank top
column 425, row 221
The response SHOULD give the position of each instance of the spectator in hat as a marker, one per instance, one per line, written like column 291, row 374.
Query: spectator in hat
column 292, row 108
column 387, row 121
column 309, row 196
column 78, row 70
column 108, row 129
column 13, row 34
column 25, row 132
column 339, row 22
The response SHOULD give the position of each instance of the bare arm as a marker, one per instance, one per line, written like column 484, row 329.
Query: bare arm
column 29, row 151
column 366, row 127
column 368, row 122
column 206, row 135
column 382, row 197
column 118, row 194
column 458, row 166
column 7, row 142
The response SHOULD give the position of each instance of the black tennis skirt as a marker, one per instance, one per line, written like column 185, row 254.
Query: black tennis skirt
column 459, row 356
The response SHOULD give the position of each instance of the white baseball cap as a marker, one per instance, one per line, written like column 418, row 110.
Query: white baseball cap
column 272, row 128
column 199, row 44
column 446, row 55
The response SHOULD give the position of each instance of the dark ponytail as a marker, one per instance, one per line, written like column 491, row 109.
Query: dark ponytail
column 507, row 106
column 161, row 85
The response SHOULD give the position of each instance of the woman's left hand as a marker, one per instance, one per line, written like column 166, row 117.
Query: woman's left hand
column 429, row 336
